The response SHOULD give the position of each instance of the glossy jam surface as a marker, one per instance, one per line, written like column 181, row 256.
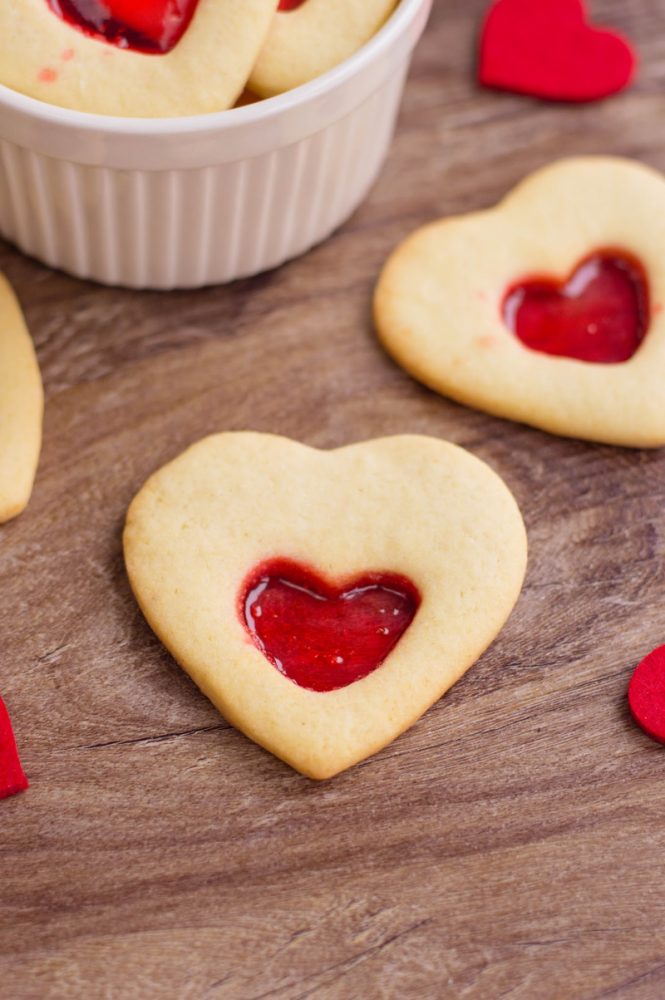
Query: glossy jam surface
column 600, row 314
column 320, row 636
column 290, row 4
column 151, row 26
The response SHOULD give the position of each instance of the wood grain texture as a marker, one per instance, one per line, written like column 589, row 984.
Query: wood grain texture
column 511, row 844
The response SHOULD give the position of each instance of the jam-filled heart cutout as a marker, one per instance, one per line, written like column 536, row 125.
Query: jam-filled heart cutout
column 152, row 26
column 339, row 540
column 290, row 4
column 599, row 314
column 320, row 636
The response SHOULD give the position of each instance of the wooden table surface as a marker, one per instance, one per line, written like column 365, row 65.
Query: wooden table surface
column 511, row 844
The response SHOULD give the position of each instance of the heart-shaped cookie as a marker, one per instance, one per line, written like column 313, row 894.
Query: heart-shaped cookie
column 412, row 550
column 530, row 310
column 309, row 37
column 549, row 49
column 21, row 408
column 161, row 58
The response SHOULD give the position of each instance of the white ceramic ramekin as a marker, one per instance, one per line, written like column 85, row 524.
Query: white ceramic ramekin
column 184, row 202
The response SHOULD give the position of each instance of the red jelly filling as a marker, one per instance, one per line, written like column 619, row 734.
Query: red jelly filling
column 152, row 26
column 601, row 313
column 290, row 4
column 321, row 636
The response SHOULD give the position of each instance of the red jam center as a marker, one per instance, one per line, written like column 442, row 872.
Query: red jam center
column 600, row 314
column 290, row 4
column 320, row 636
column 152, row 26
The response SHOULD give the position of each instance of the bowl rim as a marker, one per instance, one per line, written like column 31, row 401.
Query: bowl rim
column 260, row 112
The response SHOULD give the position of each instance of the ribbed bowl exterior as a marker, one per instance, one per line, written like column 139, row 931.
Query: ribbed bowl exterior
column 181, row 203
column 193, row 227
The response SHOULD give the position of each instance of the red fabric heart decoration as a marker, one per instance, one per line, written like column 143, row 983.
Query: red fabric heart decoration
column 153, row 26
column 549, row 49
column 320, row 636
column 600, row 314
column 646, row 695
column 12, row 778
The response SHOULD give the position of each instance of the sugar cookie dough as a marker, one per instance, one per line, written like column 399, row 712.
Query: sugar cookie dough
column 309, row 40
column 47, row 58
column 21, row 408
column 439, row 304
column 414, row 506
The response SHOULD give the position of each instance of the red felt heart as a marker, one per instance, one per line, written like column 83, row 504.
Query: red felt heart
column 646, row 694
column 548, row 48
column 600, row 314
column 152, row 26
column 320, row 636
column 12, row 778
